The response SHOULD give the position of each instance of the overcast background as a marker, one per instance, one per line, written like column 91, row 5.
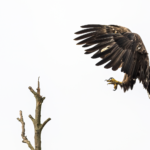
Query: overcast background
column 36, row 39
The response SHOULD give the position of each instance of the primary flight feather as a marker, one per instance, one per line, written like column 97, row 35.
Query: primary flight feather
column 118, row 47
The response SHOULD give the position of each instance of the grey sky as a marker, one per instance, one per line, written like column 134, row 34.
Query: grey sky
column 37, row 40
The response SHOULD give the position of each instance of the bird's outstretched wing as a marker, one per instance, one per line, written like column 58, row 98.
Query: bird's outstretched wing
column 119, row 48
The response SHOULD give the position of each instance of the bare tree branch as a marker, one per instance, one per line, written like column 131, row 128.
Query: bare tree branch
column 38, row 88
column 25, row 140
column 33, row 120
column 30, row 88
column 36, row 95
column 36, row 121
column 44, row 123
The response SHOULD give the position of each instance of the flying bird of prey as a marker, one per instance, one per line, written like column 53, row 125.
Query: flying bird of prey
column 119, row 48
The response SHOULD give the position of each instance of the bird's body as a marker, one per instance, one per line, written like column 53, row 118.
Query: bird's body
column 118, row 47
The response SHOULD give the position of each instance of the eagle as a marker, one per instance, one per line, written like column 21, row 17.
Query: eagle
column 119, row 48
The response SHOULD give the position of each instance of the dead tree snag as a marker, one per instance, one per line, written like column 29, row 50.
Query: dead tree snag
column 36, row 122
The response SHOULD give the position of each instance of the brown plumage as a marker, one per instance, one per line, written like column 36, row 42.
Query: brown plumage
column 118, row 47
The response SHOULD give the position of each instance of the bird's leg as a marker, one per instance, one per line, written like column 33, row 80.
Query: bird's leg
column 114, row 82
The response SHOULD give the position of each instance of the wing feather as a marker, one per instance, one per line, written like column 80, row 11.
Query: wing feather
column 84, row 36
column 85, row 31
column 106, row 59
column 118, row 61
column 106, row 52
column 113, row 60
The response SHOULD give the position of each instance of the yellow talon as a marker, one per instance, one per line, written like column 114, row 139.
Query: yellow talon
column 115, row 82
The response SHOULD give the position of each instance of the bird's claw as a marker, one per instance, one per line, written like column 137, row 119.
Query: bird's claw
column 114, row 82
